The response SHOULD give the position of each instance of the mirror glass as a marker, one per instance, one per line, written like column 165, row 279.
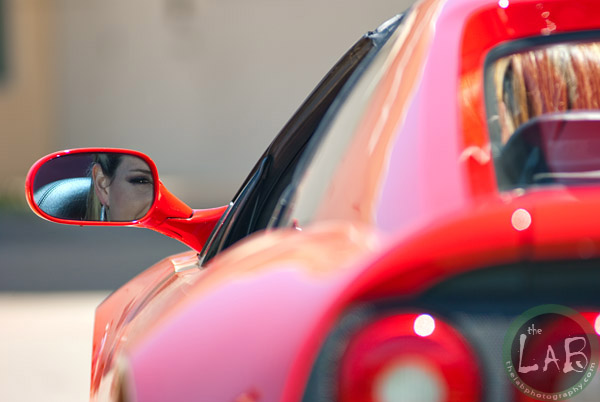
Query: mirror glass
column 111, row 187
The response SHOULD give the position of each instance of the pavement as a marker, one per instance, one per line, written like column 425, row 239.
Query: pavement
column 52, row 277
column 46, row 345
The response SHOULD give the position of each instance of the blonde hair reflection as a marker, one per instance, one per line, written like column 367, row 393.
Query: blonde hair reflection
column 545, row 80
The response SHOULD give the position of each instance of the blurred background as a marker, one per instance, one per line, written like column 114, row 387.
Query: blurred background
column 201, row 86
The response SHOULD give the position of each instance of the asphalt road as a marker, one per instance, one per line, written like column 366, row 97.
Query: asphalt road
column 46, row 345
column 52, row 277
column 37, row 255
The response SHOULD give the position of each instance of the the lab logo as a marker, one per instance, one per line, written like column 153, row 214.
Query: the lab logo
column 551, row 353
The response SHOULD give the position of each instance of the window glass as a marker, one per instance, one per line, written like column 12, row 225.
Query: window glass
column 253, row 205
column 301, row 200
column 543, row 107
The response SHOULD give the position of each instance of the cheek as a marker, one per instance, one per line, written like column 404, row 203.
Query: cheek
column 143, row 195
column 132, row 197
column 119, row 196
column 143, row 201
column 127, row 198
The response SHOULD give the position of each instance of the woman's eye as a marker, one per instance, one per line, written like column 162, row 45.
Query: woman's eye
column 140, row 180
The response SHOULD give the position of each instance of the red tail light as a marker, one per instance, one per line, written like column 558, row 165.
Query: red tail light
column 409, row 357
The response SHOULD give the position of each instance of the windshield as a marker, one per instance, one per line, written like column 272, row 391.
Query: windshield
column 313, row 179
column 277, row 170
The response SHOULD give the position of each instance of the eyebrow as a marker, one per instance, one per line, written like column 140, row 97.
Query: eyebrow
column 141, row 171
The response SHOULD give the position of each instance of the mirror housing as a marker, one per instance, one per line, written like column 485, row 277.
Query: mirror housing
column 63, row 187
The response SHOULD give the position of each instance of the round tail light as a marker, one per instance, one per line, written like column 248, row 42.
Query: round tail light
column 409, row 357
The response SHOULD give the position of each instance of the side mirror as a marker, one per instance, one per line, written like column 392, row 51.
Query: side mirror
column 95, row 186
column 113, row 187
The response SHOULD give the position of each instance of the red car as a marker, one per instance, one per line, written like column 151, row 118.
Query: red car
column 425, row 228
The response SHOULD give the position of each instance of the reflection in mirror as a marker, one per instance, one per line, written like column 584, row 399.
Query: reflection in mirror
column 95, row 187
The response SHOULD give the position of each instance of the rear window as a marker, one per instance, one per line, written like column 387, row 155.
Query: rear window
column 543, row 105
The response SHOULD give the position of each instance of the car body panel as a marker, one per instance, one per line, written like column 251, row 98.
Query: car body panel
column 228, row 285
column 281, row 294
column 122, row 307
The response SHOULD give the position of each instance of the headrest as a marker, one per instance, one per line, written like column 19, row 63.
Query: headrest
column 66, row 198
column 554, row 148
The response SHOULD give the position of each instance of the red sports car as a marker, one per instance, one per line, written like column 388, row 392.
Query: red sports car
column 425, row 228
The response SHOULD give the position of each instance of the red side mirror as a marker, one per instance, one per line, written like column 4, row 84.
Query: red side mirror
column 113, row 187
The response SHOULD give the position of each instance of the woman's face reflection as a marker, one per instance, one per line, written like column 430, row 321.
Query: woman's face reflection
column 128, row 195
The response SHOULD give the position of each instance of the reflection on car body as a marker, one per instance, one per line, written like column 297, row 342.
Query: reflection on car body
column 421, row 199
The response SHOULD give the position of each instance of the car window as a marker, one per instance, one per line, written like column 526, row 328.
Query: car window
column 543, row 105
column 253, row 205
column 299, row 203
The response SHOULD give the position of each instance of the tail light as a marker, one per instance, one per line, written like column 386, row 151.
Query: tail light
column 447, row 342
column 409, row 357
